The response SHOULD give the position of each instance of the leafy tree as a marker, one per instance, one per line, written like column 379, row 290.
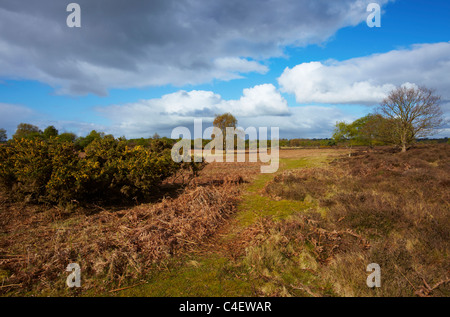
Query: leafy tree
column 371, row 130
column 3, row 136
column 27, row 131
column 344, row 132
column 411, row 113
column 224, row 121
column 50, row 131
column 83, row 142
column 67, row 137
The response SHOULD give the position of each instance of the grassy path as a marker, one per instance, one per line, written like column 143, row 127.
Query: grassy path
column 209, row 271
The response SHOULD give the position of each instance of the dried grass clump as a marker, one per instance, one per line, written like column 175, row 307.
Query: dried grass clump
column 217, row 173
column 289, row 254
column 298, row 184
column 402, row 206
column 109, row 246
column 398, row 203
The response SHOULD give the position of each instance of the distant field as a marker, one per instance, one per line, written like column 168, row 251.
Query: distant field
column 310, row 229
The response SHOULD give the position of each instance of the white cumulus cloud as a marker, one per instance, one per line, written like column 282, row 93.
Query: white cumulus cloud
column 182, row 107
column 367, row 80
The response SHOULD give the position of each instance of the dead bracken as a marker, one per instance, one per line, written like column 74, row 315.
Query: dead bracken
column 110, row 245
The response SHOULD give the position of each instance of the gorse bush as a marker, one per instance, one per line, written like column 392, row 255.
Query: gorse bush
column 112, row 166
column 26, row 168
column 109, row 170
column 64, row 183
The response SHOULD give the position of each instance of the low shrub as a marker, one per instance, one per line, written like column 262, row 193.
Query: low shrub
column 109, row 170
column 26, row 169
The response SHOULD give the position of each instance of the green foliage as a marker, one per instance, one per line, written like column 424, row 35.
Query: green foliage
column 67, row 137
column 343, row 132
column 55, row 171
column 224, row 121
column 306, row 143
column 7, row 177
column 142, row 142
column 26, row 168
column 161, row 144
column 370, row 130
column 27, row 131
column 64, row 184
column 113, row 166
column 82, row 142
column 3, row 136
column 50, row 132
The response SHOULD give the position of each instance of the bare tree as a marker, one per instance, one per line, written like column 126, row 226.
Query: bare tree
column 412, row 113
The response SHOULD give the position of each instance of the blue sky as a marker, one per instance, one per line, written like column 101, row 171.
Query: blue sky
column 299, row 65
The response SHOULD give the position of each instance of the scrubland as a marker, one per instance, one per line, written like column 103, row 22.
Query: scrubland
column 310, row 229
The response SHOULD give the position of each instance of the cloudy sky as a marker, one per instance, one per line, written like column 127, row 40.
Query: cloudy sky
column 138, row 67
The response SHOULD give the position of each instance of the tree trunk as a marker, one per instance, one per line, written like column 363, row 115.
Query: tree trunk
column 404, row 142
column 403, row 147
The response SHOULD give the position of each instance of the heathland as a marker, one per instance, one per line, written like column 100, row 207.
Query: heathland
column 225, row 229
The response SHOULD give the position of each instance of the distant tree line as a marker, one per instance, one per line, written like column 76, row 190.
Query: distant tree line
column 405, row 116
column 307, row 142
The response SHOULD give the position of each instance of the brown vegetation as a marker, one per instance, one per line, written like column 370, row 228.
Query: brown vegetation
column 110, row 246
column 397, row 203
column 377, row 206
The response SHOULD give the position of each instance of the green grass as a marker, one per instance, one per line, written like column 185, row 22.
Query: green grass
column 204, row 276
column 255, row 205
